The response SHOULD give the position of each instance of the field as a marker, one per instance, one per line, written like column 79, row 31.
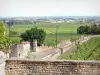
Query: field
column 87, row 51
column 65, row 31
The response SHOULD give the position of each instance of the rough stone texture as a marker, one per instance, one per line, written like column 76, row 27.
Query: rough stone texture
column 36, row 67
column 20, row 50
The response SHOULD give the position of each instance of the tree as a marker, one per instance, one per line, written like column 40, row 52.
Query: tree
column 84, row 30
column 81, row 30
column 87, row 30
column 95, row 29
column 98, row 30
column 34, row 33
column 4, row 41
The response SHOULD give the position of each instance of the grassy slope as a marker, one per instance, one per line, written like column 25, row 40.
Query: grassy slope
column 87, row 51
column 64, row 32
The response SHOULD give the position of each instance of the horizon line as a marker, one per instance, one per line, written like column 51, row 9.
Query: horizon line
column 51, row 16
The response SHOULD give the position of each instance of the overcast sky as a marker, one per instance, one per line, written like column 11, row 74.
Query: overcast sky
column 49, row 8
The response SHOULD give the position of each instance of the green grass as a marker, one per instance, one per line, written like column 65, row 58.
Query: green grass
column 87, row 51
column 65, row 31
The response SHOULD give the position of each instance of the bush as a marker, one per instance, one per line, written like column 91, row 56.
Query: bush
column 34, row 33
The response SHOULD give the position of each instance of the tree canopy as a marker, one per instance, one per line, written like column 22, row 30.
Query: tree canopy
column 34, row 33
column 88, row 29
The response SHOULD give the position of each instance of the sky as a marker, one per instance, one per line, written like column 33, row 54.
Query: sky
column 16, row 8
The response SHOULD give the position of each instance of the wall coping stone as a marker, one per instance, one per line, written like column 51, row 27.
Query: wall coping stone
column 38, row 60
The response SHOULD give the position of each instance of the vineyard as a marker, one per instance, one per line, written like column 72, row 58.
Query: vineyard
column 65, row 31
column 87, row 51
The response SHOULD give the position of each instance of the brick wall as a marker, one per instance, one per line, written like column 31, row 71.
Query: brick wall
column 57, row 67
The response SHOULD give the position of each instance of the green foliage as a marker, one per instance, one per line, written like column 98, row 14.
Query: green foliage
column 1, row 29
column 94, row 29
column 87, row 29
column 4, row 41
column 87, row 51
column 64, row 32
column 4, row 44
column 34, row 33
column 81, row 30
column 84, row 30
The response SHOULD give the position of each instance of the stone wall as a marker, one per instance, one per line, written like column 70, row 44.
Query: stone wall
column 20, row 50
column 57, row 67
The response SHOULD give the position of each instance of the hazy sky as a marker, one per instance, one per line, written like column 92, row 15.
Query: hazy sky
column 49, row 7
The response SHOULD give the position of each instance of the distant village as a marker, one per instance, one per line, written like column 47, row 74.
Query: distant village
column 51, row 19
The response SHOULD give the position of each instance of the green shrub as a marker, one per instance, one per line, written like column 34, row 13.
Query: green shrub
column 34, row 33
